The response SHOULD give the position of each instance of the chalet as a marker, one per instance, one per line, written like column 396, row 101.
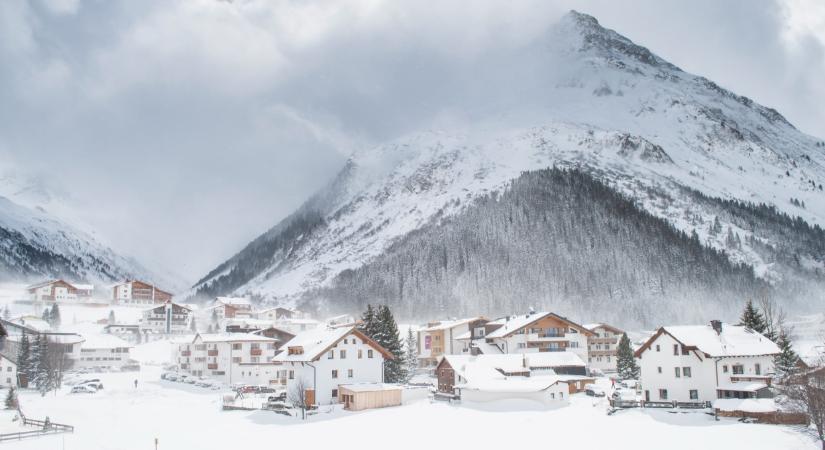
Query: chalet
column 168, row 318
column 59, row 291
column 321, row 360
column 537, row 332
column 103, row 352
column 602, row 346
column 701, row 363
column 233, row 358
column 281, row 337
column 280, row 312
column 8, row 371
column 134, row 292
column 486, row 378
column 128, row 332
column 296, row 326
column 230, row 308
column 448, row 337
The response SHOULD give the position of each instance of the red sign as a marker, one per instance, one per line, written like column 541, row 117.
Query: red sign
column 427, row 341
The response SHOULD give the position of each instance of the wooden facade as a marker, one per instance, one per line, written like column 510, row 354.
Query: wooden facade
column 446, row 377
column 360, row 399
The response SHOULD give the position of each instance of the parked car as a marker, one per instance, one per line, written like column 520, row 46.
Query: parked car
column 203, row 383
column 279, row 397
column 244, row 389
column 190, row 380
column 182, row 378
column 265, row 390
column 95, row 384
column 629, row 384
column 171, row 377
column 594, row 391
column 83, row 389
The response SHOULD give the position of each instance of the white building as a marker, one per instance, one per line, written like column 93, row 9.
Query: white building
column 701, row 363
column 168, row 318
column 59, row 291
column 320, row 360
column 8, row 372
column 103, row 352
column 296, row 326
column 538, row 332
column 602, row 346
column 448, row 337
column 232, row 358
column 134, row 292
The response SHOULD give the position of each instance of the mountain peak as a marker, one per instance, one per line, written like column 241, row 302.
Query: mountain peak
column 593, row 37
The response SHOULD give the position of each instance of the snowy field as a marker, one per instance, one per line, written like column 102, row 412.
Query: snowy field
column 186, row 417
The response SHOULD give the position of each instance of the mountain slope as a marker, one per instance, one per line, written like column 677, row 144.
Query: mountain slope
column 588, row 98
column 35, row 245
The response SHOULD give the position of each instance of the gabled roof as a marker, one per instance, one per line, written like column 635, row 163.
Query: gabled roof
column 317, row 342
column 514, row 323
column 733, row 340
column 594, row 326
column 234, row 301
column 231, row 337
column 447, row 324
column 489, row 373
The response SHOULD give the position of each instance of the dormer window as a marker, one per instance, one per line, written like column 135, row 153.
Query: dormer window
column 295, row 350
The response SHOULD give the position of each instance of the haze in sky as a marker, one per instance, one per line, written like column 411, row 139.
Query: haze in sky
column 181, row 129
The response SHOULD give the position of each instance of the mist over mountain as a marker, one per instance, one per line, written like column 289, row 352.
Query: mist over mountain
column 723, row 194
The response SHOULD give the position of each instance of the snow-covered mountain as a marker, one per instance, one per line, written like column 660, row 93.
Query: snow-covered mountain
column 37, row 243
column 676, row 145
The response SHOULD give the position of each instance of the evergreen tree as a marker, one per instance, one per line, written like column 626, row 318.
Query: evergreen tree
column 46, row 316
column 111, row 318
column 368, row 322
column 625, row 361
column 785, row 362
column 54, row 316
column 24, row 358
column 11, row 399
column 411, row 356
column 6, row 313
column 45, row 376
column 752, row 318
column 379, row 324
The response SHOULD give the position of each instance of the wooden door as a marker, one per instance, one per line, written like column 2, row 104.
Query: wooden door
column 310, row 396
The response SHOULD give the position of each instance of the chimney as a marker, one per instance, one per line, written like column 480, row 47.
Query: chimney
column 717, row 326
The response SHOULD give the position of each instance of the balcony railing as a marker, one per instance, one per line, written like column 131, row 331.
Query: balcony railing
column 552, row 349
column 256, row 352
column 212, row 353
column 186, row 353
column 212, row 366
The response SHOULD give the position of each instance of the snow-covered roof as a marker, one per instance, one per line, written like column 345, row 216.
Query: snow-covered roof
column 554, row 359
column 447, row 324
column 316, row 342
column 754, row 405
column 233, row 337
column 485, row 348
column 742, row 386
column 465, row 336
column 234, row 301
column 104, row 341
column 33, row 322
column 487, row 372
column 511, row 324
column 594, row 326
column 84, row 287
column 371, row 387
column 732, row 340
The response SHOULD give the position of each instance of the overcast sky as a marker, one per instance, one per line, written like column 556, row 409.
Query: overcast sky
column 182, row 129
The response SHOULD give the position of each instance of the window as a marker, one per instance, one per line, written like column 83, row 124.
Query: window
column 757, row 369
column 335, row 373
column 369, row 353
column 725, row 369
column 686, row 372
column 561, row 394
column 658, row 348
column 346, row 341
column 255, row 359
column 343, row 354
column 553, row 395
column 685, row 351
column 236, row 359
column 360, row 353
column 738, row 369
column 608, row 359
column 659, row 369
column 675, row 349
column 331, row 354
column 8, row 369
column 694, row 394
column 291, row 374
column 662, row 394
column 334, row 393
column 678, row 372
column 573, row 344
column 349, row 373
column 522, row 345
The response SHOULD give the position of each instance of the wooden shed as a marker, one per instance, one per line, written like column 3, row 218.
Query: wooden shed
column 359, row 396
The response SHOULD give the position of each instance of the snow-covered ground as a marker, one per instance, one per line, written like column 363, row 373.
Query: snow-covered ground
column 187, row 417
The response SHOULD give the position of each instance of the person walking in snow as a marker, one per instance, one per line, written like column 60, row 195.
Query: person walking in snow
column 135, row 383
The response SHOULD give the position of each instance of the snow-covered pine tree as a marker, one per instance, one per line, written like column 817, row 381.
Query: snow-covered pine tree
column 752, row 318
column 54, row 316
column 368, row 322
column 44, row 372
column 785, row 362
column 625, row 361
column 46, row 316
column 11, row 398
column 411, row 354
column 24, row 358
column 389, row 338
column 6, row 313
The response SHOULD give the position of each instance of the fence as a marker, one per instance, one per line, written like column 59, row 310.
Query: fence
column 45, row 429
column 618, row 403
column 774, row 418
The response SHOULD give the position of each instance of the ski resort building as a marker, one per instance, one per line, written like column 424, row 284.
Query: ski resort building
column 168, row 318
column 537, row 332
column 59, row 291
column 602, row 346
column 233, row 358
column 319, row 361
column 103, row 352
column 134, row 292
column 486, row 378
column 700, row 363
column 8, row 372
column 229, row 308
column 280, row 312
column 448, row 337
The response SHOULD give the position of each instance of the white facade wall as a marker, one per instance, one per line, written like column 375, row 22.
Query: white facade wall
column 223, row 361
column 102, row 358
column 8, row 373
column 517, row 343
column 319, row 374
column 658, row 371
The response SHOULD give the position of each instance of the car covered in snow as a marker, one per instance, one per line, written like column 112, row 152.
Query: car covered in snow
column 594, row 390
column 83, row 389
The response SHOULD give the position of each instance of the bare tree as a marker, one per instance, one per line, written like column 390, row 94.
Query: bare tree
column 774, row 317
column 299, row 398
column 807, row 395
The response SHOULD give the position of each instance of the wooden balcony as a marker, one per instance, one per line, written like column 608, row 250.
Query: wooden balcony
column 212, row 353
column 256, row 352
column 212, row 366
column 186, row 353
